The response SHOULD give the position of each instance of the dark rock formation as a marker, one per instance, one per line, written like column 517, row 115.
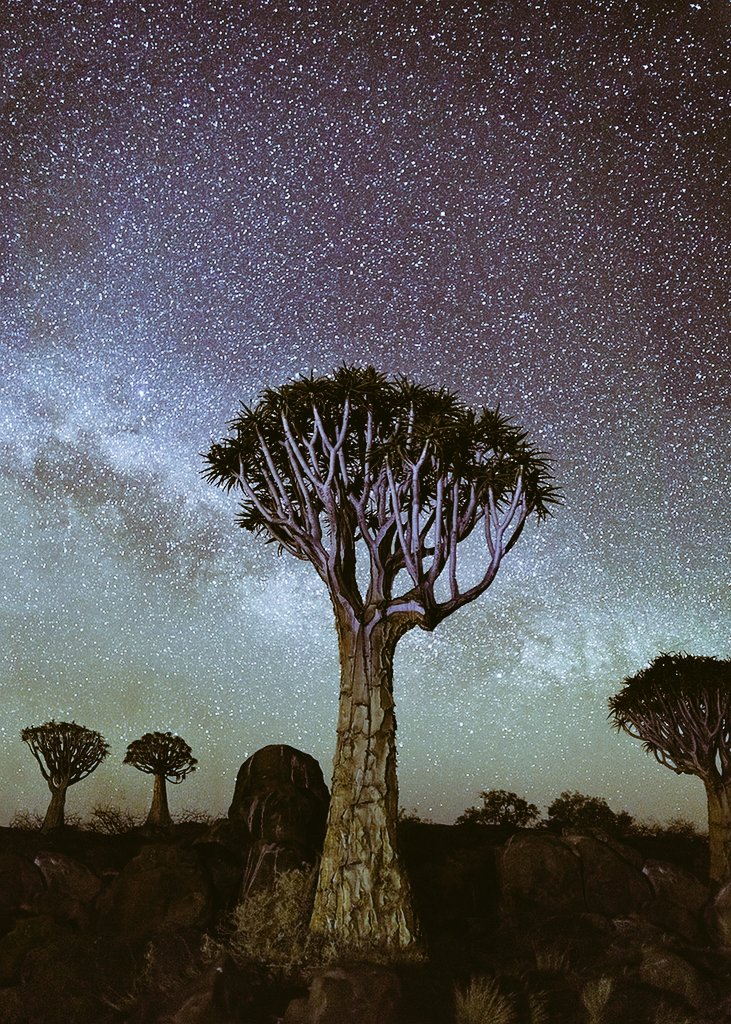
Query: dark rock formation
column 678, row 900
column 282, row 799
column 613, row 880
column 540, row 869
column 162, row 887
column 356, row 994
column 20, row 882
column 718, row 916
column 71, row 888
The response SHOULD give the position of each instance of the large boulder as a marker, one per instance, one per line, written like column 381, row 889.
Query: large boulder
column 668, row 972
column 359, row 995
column 162, row 888
column 71, row 887
column 613, row 881
column 20, row 883
column 282, row 799
column 718, row 916
column 542, row 870
column 678, row 900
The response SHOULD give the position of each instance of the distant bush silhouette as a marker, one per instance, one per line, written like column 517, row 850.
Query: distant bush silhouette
column 412, row 817
column 66, row 753
column 169, row 759
column 680, row 707
column 499, row 807
column 111, row 820
column 580, row 813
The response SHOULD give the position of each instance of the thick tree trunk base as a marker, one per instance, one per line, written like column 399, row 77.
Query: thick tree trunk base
column 159, row 818
column 363, row 904
column 719, row 833
column 55, row 814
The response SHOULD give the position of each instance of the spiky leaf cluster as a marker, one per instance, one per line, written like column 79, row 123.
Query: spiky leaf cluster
column 66, row 752
column 680, row 707
column 325, row 462
column 163, row 754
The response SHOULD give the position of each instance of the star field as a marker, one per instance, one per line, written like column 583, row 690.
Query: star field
column 526, row 203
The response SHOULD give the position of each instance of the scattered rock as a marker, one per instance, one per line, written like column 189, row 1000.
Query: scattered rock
column 358, row 995
column 669, row 972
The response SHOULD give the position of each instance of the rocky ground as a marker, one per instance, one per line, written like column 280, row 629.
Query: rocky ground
column 98, row 929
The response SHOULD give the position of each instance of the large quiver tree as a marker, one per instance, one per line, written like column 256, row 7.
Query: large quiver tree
column 680, row 707
column 399, row 475
column 66, row 753
column 166, row 757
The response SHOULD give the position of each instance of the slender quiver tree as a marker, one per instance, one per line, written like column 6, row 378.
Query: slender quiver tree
column 680, row 707
column 167, row 758
column 66, row 753
column 400, row 475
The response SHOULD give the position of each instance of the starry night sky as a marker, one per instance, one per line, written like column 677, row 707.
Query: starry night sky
column 524, row 202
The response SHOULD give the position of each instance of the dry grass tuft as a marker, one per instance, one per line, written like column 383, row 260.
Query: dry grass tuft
column 595, row 996
column 482, row 1002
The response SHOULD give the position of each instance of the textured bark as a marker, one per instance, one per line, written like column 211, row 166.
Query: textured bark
column 55, row 814
column 159, row 816
column 363, row 903
column 719, row 831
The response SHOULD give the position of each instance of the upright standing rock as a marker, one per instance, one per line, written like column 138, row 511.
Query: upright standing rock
column 282, row 799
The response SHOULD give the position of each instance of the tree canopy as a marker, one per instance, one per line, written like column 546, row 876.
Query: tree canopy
column 66, row 752
column 410, row 471
column 680, row 707
column 163, row 754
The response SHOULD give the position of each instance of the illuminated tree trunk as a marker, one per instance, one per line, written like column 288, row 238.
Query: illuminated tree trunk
column 363, row 902
column 159, row 816
column 719, row 831
column 55, row 814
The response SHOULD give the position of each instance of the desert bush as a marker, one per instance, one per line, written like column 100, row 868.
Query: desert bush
column 499, row 807
column 269, row 927
column 413, row 817
column 112, row 820
column 27, row 821
column 32, row 821
column 572, row 810
column 193, row 815
column 595, row 996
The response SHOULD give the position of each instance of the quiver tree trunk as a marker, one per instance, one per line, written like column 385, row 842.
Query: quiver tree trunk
column 719, row 831
column 55, row 814
column 159, row 816
column 363, row 903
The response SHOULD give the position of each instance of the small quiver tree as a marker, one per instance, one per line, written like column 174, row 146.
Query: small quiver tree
column 377, row 483
column 680, row 707
column 66, row 753
column 168, row 759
